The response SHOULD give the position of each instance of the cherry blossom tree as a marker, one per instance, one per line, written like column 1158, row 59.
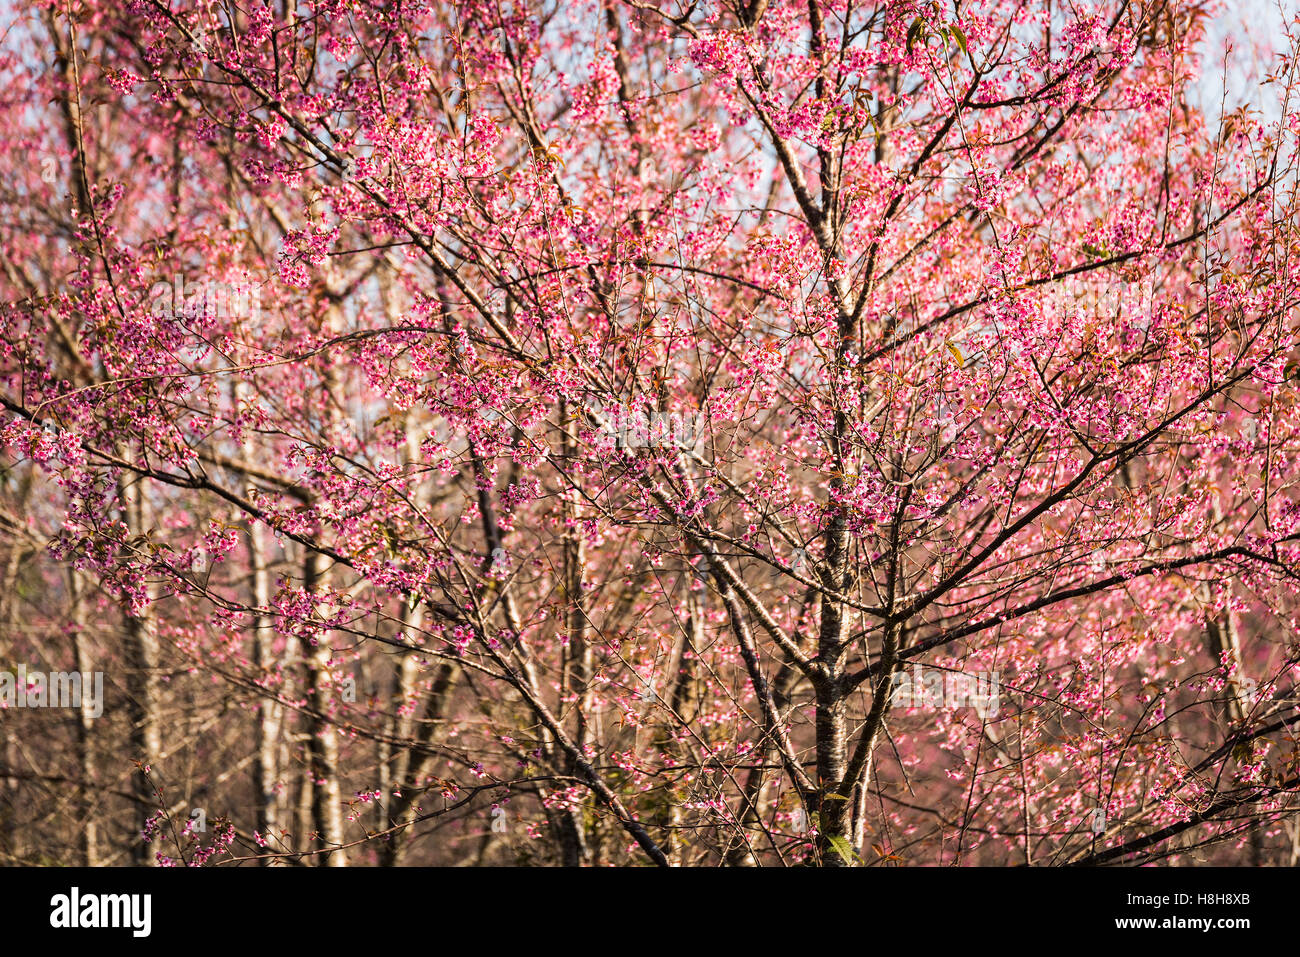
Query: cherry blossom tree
column 729, row 432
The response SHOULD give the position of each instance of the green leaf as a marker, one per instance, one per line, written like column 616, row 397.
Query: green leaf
column 842, row 848
column 914, row 33
column 960, row 37
column 835, row 797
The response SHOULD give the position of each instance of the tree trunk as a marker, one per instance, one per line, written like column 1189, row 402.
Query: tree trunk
column 85, row 724
column 270, row 713
column 141, row 647
column 322, row 742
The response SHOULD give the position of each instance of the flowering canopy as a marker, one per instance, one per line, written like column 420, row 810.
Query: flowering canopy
column 568, row 422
